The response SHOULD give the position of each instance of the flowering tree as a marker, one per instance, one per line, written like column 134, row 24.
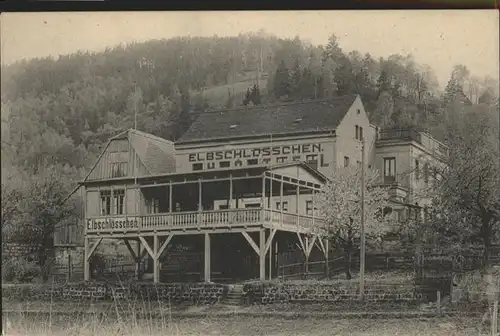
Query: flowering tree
column 339, row 203
column 466, row 207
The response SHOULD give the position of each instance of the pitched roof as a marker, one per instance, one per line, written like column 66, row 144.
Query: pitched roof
column 276, row 119
column 156, row 153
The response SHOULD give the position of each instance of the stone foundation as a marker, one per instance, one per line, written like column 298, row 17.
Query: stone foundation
column 196, row 293
column 338, row 292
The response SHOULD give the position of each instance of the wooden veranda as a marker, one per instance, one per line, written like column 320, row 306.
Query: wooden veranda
column 248, row 202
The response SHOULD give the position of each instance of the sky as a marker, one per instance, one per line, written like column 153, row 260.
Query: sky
column 440, row 39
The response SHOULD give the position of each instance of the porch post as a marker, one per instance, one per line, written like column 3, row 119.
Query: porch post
column 306, row 252
column 313, row 212
column 281, row 201
column 270, row 260
column 170, row 202
column 207, row 257
column 230, row 205
column 297, row 205
column 200, row 198
column 86, row 265
column 138, row 261
column 327, row 266
column 263, row 211
column 271, row 180
column 262, row 254
column 156, row 277
column 263, row 191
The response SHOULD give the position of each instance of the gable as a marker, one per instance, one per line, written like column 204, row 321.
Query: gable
column 263, row 120
column 114, row 161
column 134, row 153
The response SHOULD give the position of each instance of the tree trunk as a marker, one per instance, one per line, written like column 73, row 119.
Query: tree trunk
column 486, row 235
column 348, row 259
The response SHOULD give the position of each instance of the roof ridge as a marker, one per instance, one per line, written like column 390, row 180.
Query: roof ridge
column 151, row 136
column 283, row 103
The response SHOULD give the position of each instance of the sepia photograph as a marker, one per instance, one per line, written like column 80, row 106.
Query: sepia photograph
column 250, row 173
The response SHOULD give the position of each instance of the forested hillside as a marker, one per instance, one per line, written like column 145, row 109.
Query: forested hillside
column 65, row 109
column 58, row 113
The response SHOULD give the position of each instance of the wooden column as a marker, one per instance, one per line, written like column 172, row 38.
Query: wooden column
column 156, row 273
column 170, row 204
column 70, row 269
column 327, row 266
column 313, row 212
column 262, row 254
column 138, row 261
column 281, row 201
column 271, row 194
column 263, row 201
column 306, row 262
column 270, row 259
column 230, row 204
column 207, row 257
column 297, row 206
column 263, row 191
column 86, row 266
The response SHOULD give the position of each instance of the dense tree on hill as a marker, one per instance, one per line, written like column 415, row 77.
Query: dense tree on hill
column 282, row 86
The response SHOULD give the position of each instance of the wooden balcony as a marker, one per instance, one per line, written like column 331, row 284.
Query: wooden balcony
column 218, row 220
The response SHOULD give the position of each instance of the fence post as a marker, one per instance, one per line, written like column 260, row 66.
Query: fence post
column 69, row 265
column 494, row 319
column 438, row 303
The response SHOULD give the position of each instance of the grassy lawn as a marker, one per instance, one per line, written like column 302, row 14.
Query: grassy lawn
column 240, row 326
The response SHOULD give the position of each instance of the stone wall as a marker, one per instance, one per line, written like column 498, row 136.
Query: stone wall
column 196, row 293
column 16, row 250
column 331, row 292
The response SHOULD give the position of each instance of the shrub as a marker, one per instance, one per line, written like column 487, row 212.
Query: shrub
column 19, row 270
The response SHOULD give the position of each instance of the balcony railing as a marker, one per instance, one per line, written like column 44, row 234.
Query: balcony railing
column 203, row 219
column 400, row 134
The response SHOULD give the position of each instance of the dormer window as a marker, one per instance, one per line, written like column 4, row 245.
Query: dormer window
column 233, row 126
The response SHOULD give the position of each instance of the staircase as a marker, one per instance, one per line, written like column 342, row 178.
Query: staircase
column 234, row 295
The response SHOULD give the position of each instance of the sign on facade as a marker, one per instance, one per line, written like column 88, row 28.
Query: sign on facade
column 311, row 153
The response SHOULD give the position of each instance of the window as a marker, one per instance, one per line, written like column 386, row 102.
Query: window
column 360, row 133
column 357, row 132
column 346, row 161
column 417, row 170
column 197, row 166
column 309, row 208
column 223, row 207
column 118, row 163
column 105, row 202
column 389, row 169
column 281, row 159
column 285, row 206
column 312, row 160
column 153, row 206
column 252, row 205
column 359, row 111
column 224, row 164
column 118, row 201
column 112, row 202
column 252, row 162
column 118, row 169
